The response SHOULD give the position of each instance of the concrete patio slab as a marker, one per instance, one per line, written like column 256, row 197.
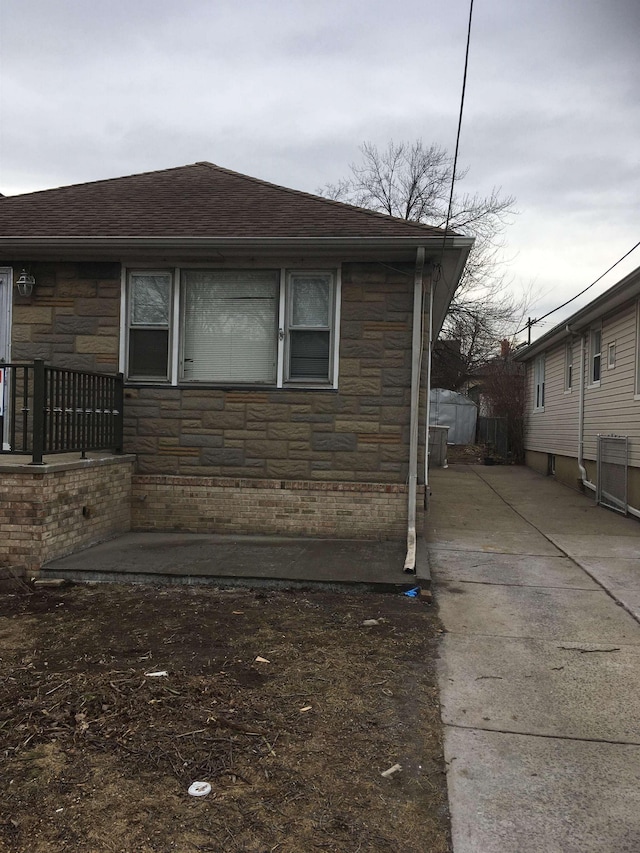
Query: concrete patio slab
column 572, row 615
column 556, row 689
column 523, row 794
column 229, row 560
column 516, row 569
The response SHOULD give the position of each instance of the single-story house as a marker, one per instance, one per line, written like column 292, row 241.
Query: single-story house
column 273, row 344
column 583, row 398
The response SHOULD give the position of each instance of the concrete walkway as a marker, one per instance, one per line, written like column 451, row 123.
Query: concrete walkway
column 539, row 593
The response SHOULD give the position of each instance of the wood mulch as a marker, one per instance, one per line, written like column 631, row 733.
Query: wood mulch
column 284, row 702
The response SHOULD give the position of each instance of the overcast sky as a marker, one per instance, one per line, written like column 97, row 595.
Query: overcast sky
column 286, row 90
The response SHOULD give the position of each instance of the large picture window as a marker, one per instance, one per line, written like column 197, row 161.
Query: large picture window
column 230, row 326
column 233, row 327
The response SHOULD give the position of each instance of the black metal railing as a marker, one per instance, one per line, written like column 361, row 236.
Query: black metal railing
column 48, row 409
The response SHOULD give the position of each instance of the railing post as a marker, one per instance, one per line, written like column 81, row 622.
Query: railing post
column 38, row 412
column 119, row 418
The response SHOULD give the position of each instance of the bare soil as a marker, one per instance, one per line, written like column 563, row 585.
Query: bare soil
column 98, row 755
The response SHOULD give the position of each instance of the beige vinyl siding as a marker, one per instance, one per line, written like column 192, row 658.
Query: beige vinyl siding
column 555, row 430
column 611, row 407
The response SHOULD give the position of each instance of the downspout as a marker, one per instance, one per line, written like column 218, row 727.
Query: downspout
column 432, row 285
column 583, row 471
column 416, row 353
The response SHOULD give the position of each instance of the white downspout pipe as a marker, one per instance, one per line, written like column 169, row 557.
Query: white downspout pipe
column 416, row 352
column 583, row 471
column 432, row 285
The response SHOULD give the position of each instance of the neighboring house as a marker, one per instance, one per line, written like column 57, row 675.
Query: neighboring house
column 271, row 343
column 583, row 382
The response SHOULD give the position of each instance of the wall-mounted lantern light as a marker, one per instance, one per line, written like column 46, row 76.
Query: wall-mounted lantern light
column 25, row 283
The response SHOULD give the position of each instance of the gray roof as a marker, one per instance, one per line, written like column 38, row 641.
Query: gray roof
column 200, row 200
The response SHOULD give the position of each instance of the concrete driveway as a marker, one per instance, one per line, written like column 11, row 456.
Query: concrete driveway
column 539, row 593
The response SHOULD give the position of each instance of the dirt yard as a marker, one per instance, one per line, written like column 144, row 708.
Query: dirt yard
column 284, row 702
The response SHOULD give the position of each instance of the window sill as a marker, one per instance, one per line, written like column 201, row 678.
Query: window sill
column 537, row 411
column 218, row 386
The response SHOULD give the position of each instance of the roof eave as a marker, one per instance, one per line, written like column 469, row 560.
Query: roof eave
column 59, row 246
column 615, row 297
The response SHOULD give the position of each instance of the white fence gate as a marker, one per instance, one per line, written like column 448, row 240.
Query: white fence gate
column 611, row 487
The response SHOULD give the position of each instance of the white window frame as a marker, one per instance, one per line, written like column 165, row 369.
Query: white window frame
column 539, row 383
column 177, row 334
column 290, row 327
column 129, row 325
column 611, row 355
column 568, row 368
column 595, row 356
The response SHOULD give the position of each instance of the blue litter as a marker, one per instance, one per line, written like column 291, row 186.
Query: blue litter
column 413, row 593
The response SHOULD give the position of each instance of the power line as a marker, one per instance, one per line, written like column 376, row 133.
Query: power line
column 455, row 156
column 531, row 323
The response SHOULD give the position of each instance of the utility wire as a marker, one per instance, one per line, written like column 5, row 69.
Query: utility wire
column 455, row 156
column 530, row 323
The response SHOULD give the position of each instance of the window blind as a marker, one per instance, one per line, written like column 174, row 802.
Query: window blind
column 230, row 326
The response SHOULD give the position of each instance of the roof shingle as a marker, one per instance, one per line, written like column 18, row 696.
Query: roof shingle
column 199, row 200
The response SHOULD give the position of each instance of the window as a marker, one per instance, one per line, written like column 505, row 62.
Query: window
column 538, row 384
column 568, row 367
column 230, row 326
column 595, row 351
column 233, row 327
column 308, row 327
column 611, row 355
column 149, row 324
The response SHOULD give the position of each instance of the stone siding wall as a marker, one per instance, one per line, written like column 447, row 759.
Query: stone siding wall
column 358, row 433
column 289, row 508
column 57, row 509
column 72, row 319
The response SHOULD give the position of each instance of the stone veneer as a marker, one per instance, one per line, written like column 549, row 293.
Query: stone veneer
column 73, row 318
column 51, row 510
column 298, row 446
column 358, row 433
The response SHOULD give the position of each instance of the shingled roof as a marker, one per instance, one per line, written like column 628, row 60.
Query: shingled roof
column 200, row 200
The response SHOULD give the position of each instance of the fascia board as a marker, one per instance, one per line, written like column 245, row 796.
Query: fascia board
column 616, row 297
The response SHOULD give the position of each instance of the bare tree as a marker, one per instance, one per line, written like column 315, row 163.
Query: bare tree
column 412, row 181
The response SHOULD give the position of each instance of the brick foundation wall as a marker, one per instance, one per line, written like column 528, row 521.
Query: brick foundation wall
column 57, row 509
column 294, row 508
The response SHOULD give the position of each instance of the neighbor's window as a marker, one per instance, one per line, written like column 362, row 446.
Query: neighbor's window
column 538, row 384
column 595, row 355
column 309, row 312
column 269, row 327
column 149, row 325
column 611, row 355
column 568, row 367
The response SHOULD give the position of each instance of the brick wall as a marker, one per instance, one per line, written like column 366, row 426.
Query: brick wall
column 72, row 320
column 57, row 509
column 293, row 508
